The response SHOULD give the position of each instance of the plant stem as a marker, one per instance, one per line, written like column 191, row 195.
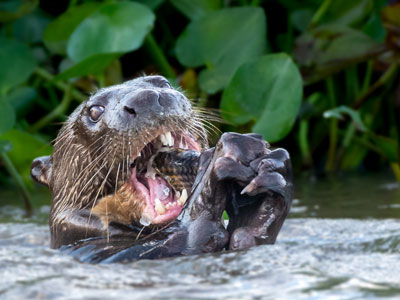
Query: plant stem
column 390, row 72
column 320, row 12
column 333, row 128
column 303, row 142
column 367, row 78
column 396, row 170
column 20, row 183
column 159, row 57
column 59, row 110
column 60, row 84
column 352, row 84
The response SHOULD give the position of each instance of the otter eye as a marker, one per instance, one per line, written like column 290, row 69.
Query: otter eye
column 95, row 112
column 165, row 84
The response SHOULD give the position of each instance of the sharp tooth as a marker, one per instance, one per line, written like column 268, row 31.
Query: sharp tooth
column 139, row 154
column 164, row 140
column 159, row 207
column 145, row 220
column 169, row 139
column 181, row 145
column 183, row 198
column 150, row 174
column 185, row 146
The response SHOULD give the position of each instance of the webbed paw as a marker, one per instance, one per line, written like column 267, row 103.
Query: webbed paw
column 261, row 188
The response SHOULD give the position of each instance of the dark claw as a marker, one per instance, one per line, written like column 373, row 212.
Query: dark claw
column 263, row 183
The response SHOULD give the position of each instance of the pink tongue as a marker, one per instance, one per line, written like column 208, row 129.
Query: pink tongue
column 159, row 189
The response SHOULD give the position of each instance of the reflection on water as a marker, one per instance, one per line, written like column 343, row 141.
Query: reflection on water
column 341, row 242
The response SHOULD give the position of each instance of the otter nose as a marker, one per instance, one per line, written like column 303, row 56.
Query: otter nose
column 142, row 103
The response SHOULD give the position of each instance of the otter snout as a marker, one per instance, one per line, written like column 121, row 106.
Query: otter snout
column 142, row 104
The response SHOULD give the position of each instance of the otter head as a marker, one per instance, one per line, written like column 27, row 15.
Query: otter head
column 102, row 155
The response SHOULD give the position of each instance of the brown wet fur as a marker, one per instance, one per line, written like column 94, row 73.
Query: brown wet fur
column 124, row 207
column 90, row 166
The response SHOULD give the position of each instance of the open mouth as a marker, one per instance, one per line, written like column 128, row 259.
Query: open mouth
column 164, row 199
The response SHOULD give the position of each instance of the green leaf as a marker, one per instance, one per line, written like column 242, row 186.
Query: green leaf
column 113, row 28
column 5, row 146
column 7, row 116
column 195, row 9
column 93, row 65
column 26, row 147
column 59, row 31
column 17, row 63
column 329, row 49
column 267, row 91
column 222, row 40
column 339, row 111
column 345, row 12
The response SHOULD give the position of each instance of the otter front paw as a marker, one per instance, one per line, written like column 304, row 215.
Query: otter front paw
column 261, row 188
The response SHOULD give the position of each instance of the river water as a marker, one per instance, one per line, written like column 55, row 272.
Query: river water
column 342, row 241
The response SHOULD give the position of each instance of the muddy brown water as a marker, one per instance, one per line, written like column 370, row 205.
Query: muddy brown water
column 342, row 241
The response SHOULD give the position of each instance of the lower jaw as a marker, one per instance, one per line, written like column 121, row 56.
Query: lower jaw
column 166, row 210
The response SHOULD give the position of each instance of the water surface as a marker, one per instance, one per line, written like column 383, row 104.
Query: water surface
column 342, row 241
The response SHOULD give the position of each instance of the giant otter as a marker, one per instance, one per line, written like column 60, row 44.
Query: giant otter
column 132, row 177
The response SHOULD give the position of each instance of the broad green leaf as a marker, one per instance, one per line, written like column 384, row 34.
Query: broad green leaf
column 113, row 28
column 59, row 31
column 7, row 116
column 222, row 41
column 345, row 12
column 350, row 44
column 339, row 111
column 329, row 49
column 195, row 9
column 90, row 66
column 21, row 99
column 14, row 9
column 17, row 63
column 5, row 146
column 267, row 91
column 26, row 147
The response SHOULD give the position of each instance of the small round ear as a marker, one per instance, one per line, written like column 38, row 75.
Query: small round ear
column 41, row 169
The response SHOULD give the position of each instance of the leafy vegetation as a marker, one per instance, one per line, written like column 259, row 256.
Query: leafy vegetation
column 319, row 77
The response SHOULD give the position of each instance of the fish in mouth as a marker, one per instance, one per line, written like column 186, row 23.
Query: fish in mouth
column 161, row 179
